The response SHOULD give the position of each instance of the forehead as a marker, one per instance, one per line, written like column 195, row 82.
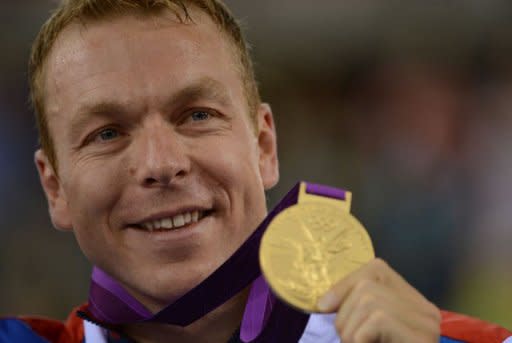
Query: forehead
column 149, row 51
column 92, row 32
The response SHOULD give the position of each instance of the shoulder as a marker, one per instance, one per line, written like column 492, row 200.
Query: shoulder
column 471, row 330
column 42, row 330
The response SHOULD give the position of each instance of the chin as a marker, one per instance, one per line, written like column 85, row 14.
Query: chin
column 174, row 281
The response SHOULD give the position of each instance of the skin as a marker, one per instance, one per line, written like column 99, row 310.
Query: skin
column 149, row 118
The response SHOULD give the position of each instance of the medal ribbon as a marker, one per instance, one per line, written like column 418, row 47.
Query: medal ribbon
column 111, row 304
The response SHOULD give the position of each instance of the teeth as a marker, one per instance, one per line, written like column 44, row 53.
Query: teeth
column 148, row 226
column 195, row 216
column 157, row 224
column 178, row 220
column 167, row 223
column 173, row 222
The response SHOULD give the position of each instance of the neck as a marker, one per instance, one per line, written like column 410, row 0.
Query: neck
column 217, row 326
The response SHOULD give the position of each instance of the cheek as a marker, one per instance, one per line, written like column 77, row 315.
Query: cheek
column 91, row 207
column 235, row 169
column 93, row 193
column 231, row 161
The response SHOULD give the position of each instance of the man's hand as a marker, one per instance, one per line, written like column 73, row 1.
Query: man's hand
column 376, row 305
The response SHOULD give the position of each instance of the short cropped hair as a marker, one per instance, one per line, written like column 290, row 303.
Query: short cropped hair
column 70, row 11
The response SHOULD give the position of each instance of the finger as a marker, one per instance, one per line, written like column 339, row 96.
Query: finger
column 336, row 295
column 378, row 327
column 351, row 321
column 382, row 273
column 376, row 270
column 368, row 296
column 361, row 298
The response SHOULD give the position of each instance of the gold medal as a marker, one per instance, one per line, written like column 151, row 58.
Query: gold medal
column 310, row 246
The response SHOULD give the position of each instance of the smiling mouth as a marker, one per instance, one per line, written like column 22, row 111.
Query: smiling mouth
column 179, row 221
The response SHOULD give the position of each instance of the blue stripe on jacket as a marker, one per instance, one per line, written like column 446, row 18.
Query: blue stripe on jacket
column 449, row 340
column 14, row 330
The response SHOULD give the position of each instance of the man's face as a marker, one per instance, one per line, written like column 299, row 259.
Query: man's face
column 150, row 123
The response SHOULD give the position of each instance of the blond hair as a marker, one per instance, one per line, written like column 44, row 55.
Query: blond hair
column 70, row 11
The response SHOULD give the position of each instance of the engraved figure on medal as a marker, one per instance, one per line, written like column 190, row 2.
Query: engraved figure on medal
column 308, row 248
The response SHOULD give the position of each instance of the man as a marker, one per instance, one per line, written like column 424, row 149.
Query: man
column 155, row 152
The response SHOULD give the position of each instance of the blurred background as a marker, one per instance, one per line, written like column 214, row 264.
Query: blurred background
column 406, row 104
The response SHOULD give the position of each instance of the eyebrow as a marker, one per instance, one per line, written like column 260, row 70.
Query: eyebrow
column 205, row 88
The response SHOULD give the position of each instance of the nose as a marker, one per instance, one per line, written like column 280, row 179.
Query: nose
column 160, row 156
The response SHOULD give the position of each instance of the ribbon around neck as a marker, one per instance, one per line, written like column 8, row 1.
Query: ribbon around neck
column 111, row 304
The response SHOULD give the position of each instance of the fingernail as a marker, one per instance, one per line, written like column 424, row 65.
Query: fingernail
column 326, row 302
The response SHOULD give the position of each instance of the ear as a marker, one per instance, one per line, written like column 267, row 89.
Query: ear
column 267, row 143
column 57, row 202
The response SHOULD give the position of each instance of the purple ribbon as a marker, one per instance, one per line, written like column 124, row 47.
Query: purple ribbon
column 264, row 317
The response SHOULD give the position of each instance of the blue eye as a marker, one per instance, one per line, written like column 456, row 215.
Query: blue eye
column 200, row 115
column 108, row 134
